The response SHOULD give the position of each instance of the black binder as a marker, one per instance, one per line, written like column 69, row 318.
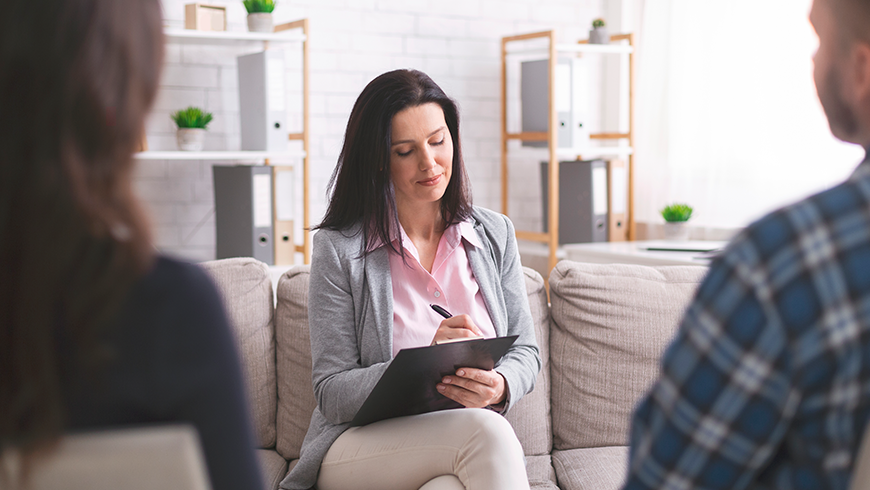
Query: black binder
column 407, row 387
column 582, row 200
column 243, row 212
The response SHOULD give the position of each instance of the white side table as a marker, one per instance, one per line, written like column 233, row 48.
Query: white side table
column 653, row 252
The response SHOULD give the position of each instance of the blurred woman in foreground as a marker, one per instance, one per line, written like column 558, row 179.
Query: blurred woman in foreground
column 95, row 330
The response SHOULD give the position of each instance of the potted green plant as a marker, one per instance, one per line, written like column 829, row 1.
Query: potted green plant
column 598, row 33
column 192, row 123
column 260, row 15
column 676, row 215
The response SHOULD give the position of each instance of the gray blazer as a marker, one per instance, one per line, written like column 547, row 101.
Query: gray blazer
column 350, row 312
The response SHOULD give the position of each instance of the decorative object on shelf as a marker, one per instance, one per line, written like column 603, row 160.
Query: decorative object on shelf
column 260, row 15
column 676, row 215
column 191, row 124
column 598, row 33
column 203, row 17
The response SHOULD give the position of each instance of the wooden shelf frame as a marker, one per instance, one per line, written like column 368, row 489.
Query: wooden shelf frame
column 217, row 155
column 551, row 135
column 299, row 31
column 305, row 137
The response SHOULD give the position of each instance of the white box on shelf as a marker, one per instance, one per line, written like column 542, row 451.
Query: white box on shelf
column 262, row 102
column 204, row 17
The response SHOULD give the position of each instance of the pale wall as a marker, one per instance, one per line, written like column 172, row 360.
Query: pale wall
column 456, row 42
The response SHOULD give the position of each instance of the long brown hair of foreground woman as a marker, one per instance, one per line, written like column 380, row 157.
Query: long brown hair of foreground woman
column 77, row 78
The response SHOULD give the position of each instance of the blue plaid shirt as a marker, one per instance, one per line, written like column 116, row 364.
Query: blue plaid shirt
column 767, row 382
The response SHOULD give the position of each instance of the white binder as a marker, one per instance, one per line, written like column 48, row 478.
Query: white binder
column 262, row 101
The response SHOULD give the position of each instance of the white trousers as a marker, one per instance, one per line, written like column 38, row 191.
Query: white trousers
column 464, row 449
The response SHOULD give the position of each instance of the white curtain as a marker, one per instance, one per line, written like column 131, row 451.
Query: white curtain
column 727, row 116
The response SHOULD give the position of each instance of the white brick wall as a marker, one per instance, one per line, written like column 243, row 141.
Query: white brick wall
column 457, row 42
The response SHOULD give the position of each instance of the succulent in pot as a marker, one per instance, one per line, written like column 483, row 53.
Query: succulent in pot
column 676, row 215
column 598, row 33
column 191, row 123
column 260, row 15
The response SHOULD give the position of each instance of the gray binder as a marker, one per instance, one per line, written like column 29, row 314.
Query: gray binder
column 582, row 200
column 571, row 101
column 243, row 212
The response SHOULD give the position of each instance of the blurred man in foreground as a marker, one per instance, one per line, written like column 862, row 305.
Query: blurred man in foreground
column 767, row 383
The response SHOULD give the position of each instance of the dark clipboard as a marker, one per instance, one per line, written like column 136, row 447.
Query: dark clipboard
column 407, row 387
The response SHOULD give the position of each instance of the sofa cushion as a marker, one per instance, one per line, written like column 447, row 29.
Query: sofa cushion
column 530, row 417
column 273, row 467
column 610, row 325
column 540, row 471
column 595, row 468
column 295, row 394
column 246, row 287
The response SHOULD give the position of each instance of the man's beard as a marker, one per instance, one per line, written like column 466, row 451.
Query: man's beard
column 841, row 117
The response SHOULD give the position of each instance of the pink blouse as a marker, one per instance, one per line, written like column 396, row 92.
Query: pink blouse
column 451, row 285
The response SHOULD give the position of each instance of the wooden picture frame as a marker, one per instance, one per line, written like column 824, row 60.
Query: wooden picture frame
column 205, row 17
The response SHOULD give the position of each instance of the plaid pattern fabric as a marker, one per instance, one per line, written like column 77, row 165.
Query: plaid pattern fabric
column 767, row 382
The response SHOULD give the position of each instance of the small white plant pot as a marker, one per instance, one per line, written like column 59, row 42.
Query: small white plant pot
column 190, row 139
column 677, row 231
column 599, row 35
column 260, row 22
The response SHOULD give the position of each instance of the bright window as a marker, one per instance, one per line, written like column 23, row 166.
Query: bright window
column 728, row 118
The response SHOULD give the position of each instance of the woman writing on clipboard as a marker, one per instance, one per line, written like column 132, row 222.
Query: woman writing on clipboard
column 400, row 233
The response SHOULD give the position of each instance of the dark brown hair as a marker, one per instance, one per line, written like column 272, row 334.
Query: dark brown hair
column 77, row 78
column 361, row 191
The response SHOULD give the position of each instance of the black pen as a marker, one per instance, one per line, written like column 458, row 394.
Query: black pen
column 441, row 311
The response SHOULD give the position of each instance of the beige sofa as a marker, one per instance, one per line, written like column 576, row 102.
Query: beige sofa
column 600, row 340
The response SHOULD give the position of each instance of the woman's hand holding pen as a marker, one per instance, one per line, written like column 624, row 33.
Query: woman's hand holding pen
column 456, row 327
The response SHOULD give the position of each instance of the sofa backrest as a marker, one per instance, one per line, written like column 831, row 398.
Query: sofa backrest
column 530, row 417
column 246, row 287
column 610, row 325
column 295, row 393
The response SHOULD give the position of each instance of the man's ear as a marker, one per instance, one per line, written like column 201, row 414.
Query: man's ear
column 861, row 71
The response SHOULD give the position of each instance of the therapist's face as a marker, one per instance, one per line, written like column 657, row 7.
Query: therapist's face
column 421, row 156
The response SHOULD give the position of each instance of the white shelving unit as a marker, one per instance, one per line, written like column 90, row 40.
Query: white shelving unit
column 574, row 48
column 289, row 33
column 595, row 151
column 516, row 49
column 217, row 155
column 190, row 36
